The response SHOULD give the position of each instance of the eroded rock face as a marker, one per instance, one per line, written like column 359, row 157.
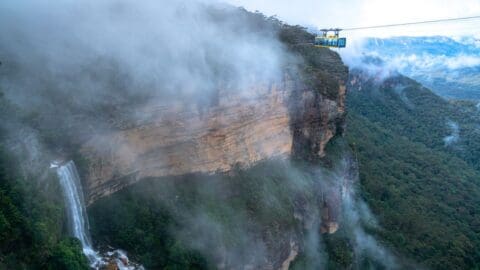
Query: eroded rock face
column 181, row 139
column 273, row 120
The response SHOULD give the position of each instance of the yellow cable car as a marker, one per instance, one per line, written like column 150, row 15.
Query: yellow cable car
column 330, row 39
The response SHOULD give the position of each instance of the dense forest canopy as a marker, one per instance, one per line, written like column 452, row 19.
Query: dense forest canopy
column 424, row 190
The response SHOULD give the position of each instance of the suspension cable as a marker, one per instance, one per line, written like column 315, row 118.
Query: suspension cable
column 411, row 23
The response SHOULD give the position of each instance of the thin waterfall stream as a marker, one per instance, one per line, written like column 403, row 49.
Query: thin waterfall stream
column 75, row 204
column 78, row 220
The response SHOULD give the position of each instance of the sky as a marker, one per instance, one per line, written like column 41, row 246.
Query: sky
column 357, row 13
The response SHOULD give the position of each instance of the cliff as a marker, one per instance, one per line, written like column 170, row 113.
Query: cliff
column 180, row 139
column 289, row 118
column 295, row 117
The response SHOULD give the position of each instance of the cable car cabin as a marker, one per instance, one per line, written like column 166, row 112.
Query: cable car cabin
column 330, row 40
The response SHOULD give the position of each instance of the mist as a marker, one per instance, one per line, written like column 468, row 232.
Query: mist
column 70, row 70
column 94, row 51
column 77, row 67
column 400, row 90
column 355, row 215
column 86, row 68
column 454, row 136
column 244, row 219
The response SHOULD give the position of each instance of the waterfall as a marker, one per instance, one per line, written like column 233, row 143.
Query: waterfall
column 77, row 215
column 78, row 221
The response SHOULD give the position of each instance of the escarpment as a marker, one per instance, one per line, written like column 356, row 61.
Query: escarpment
column 290, row 117
column 180, row 139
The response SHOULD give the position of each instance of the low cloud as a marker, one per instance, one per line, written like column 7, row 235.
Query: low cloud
column 435, row 62
column 400, row 91
column 79, row 69
column 374, row 66
column 424, row 58
column 409, row 64
column 454, row 135
column 355, row 214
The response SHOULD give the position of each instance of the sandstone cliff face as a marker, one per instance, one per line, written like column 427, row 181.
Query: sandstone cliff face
column 279, row 120
column 181, row 139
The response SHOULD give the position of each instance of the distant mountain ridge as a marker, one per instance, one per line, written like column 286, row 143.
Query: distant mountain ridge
column 450, row 67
